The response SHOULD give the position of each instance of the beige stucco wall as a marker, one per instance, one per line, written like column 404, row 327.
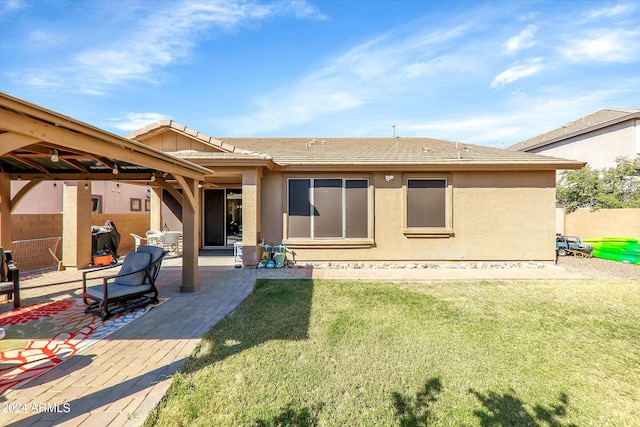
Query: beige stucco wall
column 603, row 223
column 506, row 216
column 599, row 148
column 171, row 141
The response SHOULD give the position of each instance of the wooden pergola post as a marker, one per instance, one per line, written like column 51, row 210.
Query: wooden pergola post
column 76, row 225
column 6, row 234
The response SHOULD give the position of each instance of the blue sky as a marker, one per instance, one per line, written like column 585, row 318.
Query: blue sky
column 484, row 72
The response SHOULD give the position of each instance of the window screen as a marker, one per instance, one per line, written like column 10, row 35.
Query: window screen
column 324, row 208
column 426, row 203
column 299, row 208
column 357, row 208
column 327, row 200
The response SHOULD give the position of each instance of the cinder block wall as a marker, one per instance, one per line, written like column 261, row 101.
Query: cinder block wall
column 603, row 223
column 37, row 226
column 126, row 224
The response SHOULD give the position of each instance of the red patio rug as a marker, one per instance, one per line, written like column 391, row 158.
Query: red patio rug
column 44, row 335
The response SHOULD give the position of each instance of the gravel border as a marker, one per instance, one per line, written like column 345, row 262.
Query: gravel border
column 596, row 268
column 422, row 266
column 600, row 269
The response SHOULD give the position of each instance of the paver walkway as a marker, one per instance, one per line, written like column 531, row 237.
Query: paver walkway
column 118, row 380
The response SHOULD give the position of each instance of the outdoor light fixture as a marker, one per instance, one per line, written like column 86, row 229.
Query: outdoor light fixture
column 54, row 156
column 55, row 184
column 86, row 184
column 153, row 177
column 115, row 169
column 389, row 178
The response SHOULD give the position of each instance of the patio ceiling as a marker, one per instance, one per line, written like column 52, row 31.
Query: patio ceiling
column 36, row 143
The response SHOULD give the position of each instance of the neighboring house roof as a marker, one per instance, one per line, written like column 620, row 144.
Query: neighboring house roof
column 359, row 153
column 592, row 122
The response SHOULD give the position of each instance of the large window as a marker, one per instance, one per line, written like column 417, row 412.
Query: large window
column 328, row 208
column 427, row 205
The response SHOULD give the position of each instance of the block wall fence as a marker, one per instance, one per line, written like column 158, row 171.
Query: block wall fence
column 583, row 223
column 601, row 223
column 37, row 226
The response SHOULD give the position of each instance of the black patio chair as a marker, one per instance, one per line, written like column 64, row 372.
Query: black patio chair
column 134, row 286
column 9, row 278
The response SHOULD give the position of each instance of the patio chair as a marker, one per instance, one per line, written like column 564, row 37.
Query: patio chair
column 9, row 278
column 134, row 286
column 137, row 241
column 171, row 240
column 155, row 237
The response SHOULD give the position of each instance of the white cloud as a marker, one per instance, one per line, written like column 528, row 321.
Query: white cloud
column 301, row 9
column 516, row 72
column 524, row 118
column 10, row 8
column 309, row 98
column 135, row 121
column 13, row 5
column 609, row 12
column 42, row 39
column 43, row 79
column 604, row 46
column 164, row 37
column 478, row 128
column 524, row 40
column 391, row 63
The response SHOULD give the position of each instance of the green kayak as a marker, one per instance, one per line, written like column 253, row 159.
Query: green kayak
column 623, row 249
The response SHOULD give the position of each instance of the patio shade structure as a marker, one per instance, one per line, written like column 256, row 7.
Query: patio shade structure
column 39, row 145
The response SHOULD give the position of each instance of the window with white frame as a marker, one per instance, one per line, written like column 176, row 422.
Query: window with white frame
column 426, row 203
column 328, row 208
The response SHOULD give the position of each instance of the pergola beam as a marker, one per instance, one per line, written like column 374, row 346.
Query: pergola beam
column 27, row 162
column 170, row 188
column 187, row 194
column 10, row 141
column 76, row 164
column 15, row 201
column 78, row 176
column 118, row 149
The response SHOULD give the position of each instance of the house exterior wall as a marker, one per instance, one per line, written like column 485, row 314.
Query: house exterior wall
column 45, row 198
column 491, row 216
column 506, row 216
column 599, row 148
column 172, row 141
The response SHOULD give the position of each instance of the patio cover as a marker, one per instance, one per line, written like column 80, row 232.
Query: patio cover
column 38, row 145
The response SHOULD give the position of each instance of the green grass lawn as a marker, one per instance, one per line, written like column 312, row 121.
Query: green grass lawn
column 329, row 353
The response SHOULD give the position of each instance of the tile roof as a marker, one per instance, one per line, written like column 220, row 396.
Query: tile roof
column 597, row 120
column 384, row 152
column 351, row 152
